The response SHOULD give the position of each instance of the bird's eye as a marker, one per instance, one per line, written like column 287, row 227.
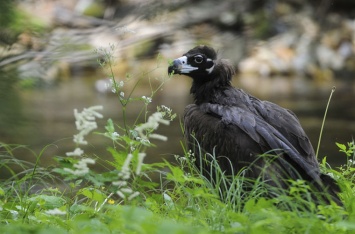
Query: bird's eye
column 198, row 59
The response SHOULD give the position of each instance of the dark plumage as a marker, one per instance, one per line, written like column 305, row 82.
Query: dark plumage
column 237, row 127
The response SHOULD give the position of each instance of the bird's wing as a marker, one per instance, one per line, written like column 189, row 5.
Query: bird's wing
column 257, row 128
column 286, row 122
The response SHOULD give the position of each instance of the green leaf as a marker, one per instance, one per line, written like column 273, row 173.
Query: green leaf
column 47, row 202
column 82, row 209
column 93, row 194
column 110, row 126
column 342, row 147
column 176, row 175
column 2, row 192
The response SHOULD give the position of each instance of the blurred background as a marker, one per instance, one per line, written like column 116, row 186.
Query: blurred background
column 291, row 52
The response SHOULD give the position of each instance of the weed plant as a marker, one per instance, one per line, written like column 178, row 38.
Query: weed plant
column 72, row 197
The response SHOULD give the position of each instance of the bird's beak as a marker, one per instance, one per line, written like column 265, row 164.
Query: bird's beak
column 180, row 66
column 175, row 67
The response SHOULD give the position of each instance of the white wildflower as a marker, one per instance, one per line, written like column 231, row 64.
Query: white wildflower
column 190, row 153
column 115, row 85
column 87, row 161
column 166, row 109
column 81, row 167
column 147, row 100
column 122, row 94
column 141, row 157
column 133, row 195
column 120, row 183
column 55, row 211
column 79, row 139
column 126, row 190
column 181, row 159
column 126, row 163
column 159, row 118
column 119, row 193
column 114, row 135
column 125, row 175
column 125, row 171
column 76, row 152
column 144, row 141
column 81, row 172
column 85, row 122
column 166, row 112
column 152, row 124
column 158, row 137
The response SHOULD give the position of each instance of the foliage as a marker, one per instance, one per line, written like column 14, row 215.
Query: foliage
column 15, row 21
column 73, row 197
column 7, row 12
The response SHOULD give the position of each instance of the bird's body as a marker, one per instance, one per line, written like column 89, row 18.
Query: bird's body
column 237, row 128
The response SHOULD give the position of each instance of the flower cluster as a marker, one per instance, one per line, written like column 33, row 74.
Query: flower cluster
column 81, row 167
column 146, row 100
column 166, row 112
column 124, row 191
column 144, row 130
column 55, row 211
column 77, row 152
column 85, row 122
column 115, row 85
column 189, row 157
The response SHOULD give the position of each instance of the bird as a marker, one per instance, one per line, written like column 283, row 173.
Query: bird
column 238, row 128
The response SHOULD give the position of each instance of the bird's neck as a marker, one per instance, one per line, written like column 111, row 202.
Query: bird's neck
column 209, row 89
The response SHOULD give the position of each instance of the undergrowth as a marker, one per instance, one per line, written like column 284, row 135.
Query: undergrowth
column 72, row 197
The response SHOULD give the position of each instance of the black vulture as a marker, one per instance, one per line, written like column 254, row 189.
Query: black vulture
column 237, row 128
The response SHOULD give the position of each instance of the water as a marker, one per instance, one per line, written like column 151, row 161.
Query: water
column 44, row 116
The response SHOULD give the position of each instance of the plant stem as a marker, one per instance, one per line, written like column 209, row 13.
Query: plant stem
column 324, row 117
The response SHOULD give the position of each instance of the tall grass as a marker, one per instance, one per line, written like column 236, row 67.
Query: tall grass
column 72, row 197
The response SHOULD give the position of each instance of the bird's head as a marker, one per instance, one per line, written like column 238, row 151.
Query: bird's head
column 197, row 62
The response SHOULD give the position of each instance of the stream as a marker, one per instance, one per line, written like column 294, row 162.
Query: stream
column 41, row 117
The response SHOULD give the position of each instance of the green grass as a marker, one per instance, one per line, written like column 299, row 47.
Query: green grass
column 72, row 197
column 183, row 201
